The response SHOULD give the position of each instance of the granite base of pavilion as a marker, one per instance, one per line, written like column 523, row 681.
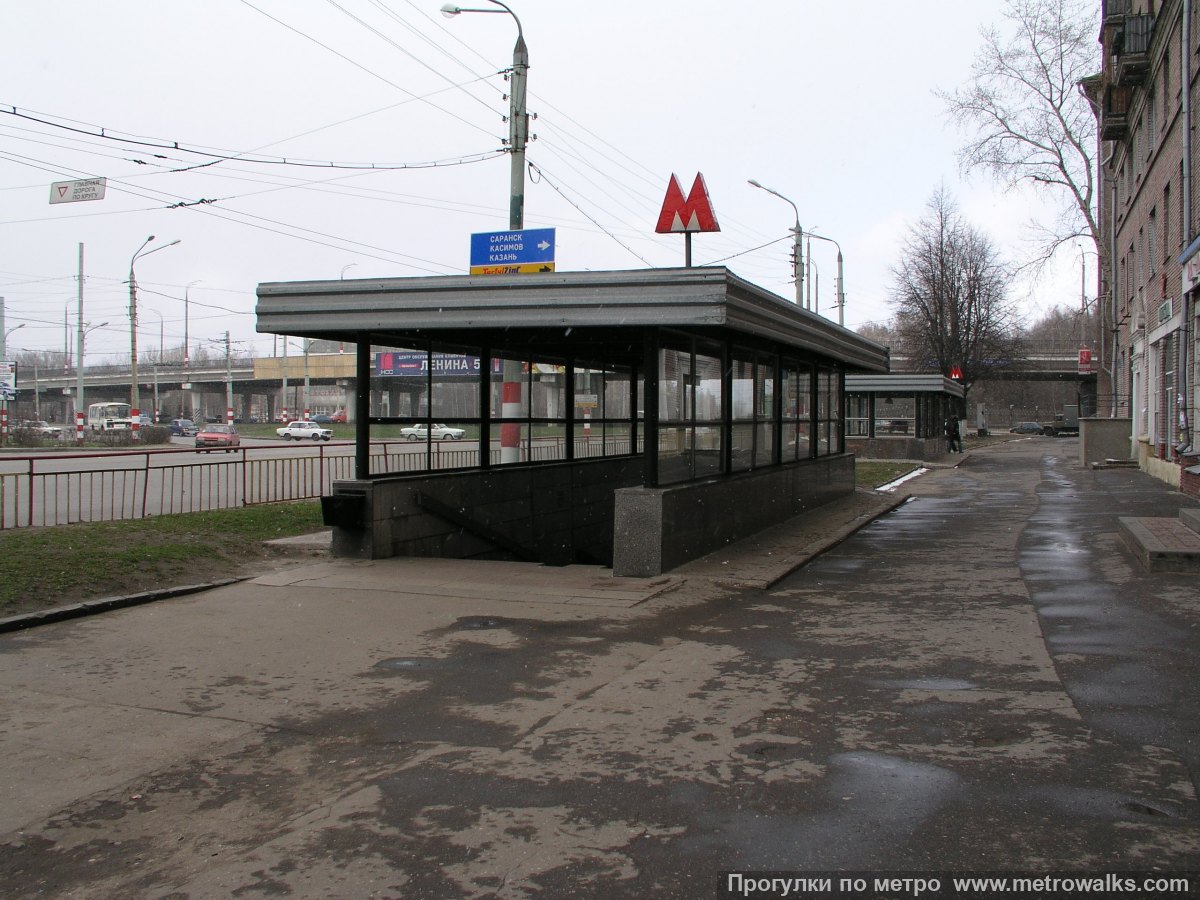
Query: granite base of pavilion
column 584, row 512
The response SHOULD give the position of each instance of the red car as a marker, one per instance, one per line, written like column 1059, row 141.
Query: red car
column 218, row 437
column 339, row 417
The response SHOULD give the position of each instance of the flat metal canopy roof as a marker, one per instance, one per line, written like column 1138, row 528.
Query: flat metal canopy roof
column 564, row 309
column 903, row 384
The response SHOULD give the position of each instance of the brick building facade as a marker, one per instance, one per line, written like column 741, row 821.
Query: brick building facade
column 1146, row 97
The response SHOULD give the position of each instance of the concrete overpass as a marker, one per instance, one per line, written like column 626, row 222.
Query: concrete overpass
column 1041, row 363
column 257, row 383
column 200, row 388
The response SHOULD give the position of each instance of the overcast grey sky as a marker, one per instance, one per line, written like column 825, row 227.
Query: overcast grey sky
column 828, row 103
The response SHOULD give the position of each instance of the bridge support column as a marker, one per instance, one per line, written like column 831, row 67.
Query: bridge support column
column 247, row 403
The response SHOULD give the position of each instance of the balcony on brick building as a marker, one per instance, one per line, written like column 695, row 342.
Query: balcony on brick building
column 1114, row 115
column 1131, row 50
column 1114, row 9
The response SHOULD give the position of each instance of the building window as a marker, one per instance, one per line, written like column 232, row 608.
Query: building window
column 1139, row 141
column 1166, row 431
column 603, row 412
column 413, row 388
column 797, row 410
column 1166, row 87
column 829, row 411
column 753, row 437
column 528, row 407
column 1166, row 222
column 690, row 396
column 1122, row 284
column 1152, row 237
column 858, row 415
column 896, row 415
column 1151, row 135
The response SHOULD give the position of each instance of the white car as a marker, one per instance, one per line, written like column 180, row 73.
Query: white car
column 45, row 429
column 440, row 433
column 299, row 430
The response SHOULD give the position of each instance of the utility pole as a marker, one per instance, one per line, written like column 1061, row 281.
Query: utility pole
column 284, row 414
column 228, row 382
column 80, row 409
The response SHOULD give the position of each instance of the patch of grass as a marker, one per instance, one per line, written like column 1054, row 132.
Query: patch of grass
column 872, row 473
column 46, row 567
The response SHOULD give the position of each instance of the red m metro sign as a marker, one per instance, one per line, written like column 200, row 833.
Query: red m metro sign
column 680, row 216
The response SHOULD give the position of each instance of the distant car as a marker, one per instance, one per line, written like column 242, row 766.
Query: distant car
column 322, row 420
column 183, row 427
column 218, row 437
column 43, row 429
column 440, row 433
column 144, row 420
column 339, row 417
column 299, row 430
column 1026, row 428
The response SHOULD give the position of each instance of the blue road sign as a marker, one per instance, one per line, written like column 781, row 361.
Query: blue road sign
column 512, row 248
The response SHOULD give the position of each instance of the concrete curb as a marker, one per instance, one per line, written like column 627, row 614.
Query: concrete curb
column 763, row 560
column 810, row 552
column 106, row 604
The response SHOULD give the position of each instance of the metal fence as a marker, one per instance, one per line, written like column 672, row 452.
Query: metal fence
column 69, row 487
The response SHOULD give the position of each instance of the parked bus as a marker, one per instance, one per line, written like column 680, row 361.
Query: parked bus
column 109, row 417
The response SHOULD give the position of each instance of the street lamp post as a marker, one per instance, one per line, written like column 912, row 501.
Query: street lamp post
column 134, row 391
column 518, row 134
column 4, row 333
column 80, row 409
column 841, row 284
column 798, row 248
column 518, row 118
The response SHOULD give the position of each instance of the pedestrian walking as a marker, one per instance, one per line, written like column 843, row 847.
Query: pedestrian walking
column 953, row 438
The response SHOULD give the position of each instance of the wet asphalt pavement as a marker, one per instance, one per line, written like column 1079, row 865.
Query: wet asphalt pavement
column 983, row 679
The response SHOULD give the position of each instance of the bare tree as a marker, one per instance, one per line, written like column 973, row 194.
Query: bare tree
column 1027, row 115
column 950, row 297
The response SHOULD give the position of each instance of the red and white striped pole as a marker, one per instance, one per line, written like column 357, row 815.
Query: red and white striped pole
column 79, row 419
column 510, row 432
column 135, row 423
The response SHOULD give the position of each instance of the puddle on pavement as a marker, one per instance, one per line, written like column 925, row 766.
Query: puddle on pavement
column 414, row 663
column 926, row 684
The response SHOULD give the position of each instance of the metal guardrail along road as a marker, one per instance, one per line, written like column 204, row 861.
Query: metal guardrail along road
column 65, row 488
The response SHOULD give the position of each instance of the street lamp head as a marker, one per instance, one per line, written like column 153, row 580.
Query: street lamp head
column 754, row 183
column 449, row 10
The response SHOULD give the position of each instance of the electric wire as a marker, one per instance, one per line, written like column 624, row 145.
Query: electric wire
column 360, row 66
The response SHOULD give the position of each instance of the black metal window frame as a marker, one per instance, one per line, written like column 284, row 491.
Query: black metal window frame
column 785, row 425
column 489, row 407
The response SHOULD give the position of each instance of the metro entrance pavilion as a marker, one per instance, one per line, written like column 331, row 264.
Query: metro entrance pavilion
column 633, row 419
